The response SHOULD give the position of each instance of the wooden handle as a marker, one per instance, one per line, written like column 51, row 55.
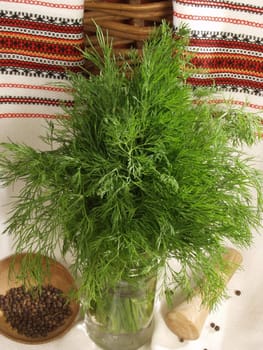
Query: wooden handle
column 187, row 319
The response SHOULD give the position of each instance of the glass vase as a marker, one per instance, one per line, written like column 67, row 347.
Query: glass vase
column 123, row 318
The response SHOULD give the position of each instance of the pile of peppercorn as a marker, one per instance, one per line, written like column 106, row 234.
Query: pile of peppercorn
column 35, row 312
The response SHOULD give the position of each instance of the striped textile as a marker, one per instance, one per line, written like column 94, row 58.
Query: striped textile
column 39, row 42
column 227, row 42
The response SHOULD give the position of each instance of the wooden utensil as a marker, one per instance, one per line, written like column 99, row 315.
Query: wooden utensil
column 59, row 278
column 187, row 319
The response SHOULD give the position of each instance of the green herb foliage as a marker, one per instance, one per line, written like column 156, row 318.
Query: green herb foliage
column 144, row 169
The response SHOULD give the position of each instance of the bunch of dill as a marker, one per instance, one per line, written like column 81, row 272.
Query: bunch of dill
column 143, row 169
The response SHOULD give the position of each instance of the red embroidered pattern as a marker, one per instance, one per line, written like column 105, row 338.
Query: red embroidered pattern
column 28, row 115
column 53, row 39
column 228, row 44
column 240, row 64
column 219, row 19
column 46, row 25
column 46, row 4
column 222, row 4
column 31, row 87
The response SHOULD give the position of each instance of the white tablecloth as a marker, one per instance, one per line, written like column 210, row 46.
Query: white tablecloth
column 240, row 318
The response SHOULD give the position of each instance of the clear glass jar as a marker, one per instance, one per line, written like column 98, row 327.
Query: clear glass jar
column 123, row 318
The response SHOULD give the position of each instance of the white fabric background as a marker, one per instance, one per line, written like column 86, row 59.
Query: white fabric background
column 240, row 317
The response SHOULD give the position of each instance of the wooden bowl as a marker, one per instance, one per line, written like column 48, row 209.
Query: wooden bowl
column 59, row 277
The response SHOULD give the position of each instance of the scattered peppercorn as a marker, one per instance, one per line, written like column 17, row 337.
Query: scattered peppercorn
column 237, row 292
column 181, row 340
column 212, row 324
column 35, row 312
column 217, row 328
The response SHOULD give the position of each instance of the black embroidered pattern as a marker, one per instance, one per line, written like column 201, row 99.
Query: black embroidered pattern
column 235, row 89
column 18, row 71
column 40, row 18
column 246, row 90
column 216, row 35
column 26, row 100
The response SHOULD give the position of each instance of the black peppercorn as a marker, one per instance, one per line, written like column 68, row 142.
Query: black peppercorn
column 212, row 324
column 217, row 328
column 34, row 313
column 237, row 292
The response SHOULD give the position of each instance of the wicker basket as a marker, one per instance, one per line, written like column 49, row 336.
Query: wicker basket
column 127, row 22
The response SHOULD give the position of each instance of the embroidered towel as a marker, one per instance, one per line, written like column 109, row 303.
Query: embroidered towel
column 227, row 39
column 39, row 41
